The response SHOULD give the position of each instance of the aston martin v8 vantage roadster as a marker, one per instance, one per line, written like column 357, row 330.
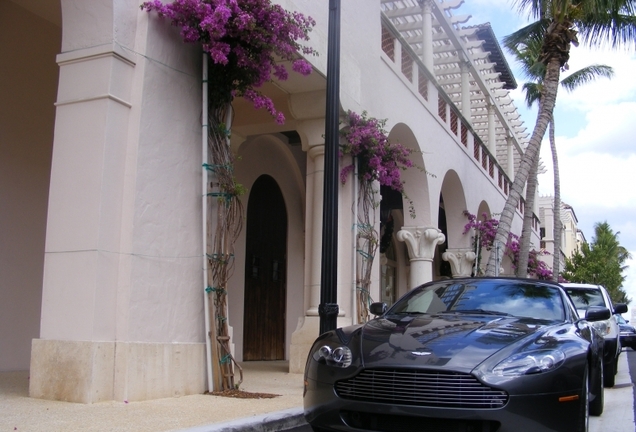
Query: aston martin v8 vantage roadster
column 461, row 355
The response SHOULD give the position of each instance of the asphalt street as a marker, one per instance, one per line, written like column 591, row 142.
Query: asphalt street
column 620, row 404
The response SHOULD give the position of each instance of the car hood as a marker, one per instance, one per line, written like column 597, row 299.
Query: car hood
column 454, row 341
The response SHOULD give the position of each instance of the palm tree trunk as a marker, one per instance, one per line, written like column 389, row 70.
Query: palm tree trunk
column 546, row 106
column 528, row 217
column 556, row 234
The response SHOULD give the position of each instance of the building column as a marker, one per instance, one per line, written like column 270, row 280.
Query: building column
column 427, row 35
column 421, row 243
column 461, row 261
column 465, row 92
column 492, row 143
column 122, row 286
column 317, row 154
column 511, row 157
column 309, row 325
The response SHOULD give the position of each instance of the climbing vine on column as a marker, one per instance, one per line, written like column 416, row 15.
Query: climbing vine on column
column 248, row 42
column 376, row 161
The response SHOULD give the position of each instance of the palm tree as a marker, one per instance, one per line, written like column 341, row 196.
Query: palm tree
column 527, row 53
column 559, row 24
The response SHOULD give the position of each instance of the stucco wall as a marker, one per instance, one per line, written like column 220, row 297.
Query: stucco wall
column 123, row 239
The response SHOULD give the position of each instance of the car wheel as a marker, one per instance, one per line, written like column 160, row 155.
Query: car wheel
column 597, row 398
column 609, row 374
column 584, row 410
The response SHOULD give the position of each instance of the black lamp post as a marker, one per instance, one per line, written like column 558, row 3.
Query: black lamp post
column 328, row 308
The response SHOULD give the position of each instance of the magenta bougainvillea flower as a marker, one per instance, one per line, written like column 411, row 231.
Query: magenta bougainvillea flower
column 246, row 40
column 378, row 158
column 486, row 229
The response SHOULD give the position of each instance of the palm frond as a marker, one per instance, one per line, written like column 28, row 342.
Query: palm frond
column 586, row 75
column 532, row 91
column 534, row 8
column 619, row 30
column 534, row 31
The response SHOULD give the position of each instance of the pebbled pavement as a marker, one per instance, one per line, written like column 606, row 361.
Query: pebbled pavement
column 618, row 414
column 204, row 413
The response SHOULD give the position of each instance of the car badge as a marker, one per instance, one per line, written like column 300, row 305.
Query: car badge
column 420, row 353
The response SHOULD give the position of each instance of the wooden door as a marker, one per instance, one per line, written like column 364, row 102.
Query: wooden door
column 265, row 273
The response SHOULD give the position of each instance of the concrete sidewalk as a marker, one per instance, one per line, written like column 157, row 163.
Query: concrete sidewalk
column 196, row 413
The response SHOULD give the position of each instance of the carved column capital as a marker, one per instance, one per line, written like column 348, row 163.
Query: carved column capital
column 461, row 261
column 421, row 241
column 316, row 150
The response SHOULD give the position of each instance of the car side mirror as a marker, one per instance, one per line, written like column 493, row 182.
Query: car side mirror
column 378, row 308
column 597, row 313
column 620, row 308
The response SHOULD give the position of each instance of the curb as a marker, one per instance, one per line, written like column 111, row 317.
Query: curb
column 270, row 422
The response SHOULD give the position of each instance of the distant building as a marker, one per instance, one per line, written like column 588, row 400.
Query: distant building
column 571, row 236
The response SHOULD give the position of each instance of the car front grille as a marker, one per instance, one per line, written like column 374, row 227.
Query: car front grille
column 423, row 388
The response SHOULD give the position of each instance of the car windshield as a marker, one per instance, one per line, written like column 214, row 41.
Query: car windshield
column 517, row 298
column 583, row 298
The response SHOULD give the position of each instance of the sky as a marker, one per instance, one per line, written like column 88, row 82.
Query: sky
column 595, row 134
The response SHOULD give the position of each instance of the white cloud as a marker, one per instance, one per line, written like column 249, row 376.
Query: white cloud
column 597, row 162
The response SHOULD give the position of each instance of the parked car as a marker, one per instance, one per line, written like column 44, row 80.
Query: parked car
column 587, row 295
column 486, row 354
column 627, row 332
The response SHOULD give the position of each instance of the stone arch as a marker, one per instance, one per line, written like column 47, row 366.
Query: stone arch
column 483, row 209
column 453, row 201
column 484, row 213
column 451, row 221
column 416, row 185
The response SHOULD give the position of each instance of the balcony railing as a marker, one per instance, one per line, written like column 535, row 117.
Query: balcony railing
column 425, row 87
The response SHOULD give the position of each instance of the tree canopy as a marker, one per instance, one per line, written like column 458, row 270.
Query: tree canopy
column 601, row 262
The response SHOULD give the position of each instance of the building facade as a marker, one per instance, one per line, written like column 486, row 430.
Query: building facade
column 571, row 236
column 100, row 153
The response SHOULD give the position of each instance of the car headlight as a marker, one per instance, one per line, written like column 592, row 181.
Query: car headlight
column 339, row 356
column 602, row 327
column 530, row 362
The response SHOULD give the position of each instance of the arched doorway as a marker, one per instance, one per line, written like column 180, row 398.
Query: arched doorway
column 265, row 282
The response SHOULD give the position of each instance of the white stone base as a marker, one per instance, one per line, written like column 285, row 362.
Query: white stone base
column 89, row 372
column 301, row 341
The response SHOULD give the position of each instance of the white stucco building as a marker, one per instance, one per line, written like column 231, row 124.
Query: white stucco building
column 571, row 236
column 100, row 164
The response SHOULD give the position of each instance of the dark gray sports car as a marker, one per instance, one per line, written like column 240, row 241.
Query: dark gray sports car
column 461, row 355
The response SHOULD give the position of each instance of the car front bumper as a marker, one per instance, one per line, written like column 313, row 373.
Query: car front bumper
column 537, row 413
